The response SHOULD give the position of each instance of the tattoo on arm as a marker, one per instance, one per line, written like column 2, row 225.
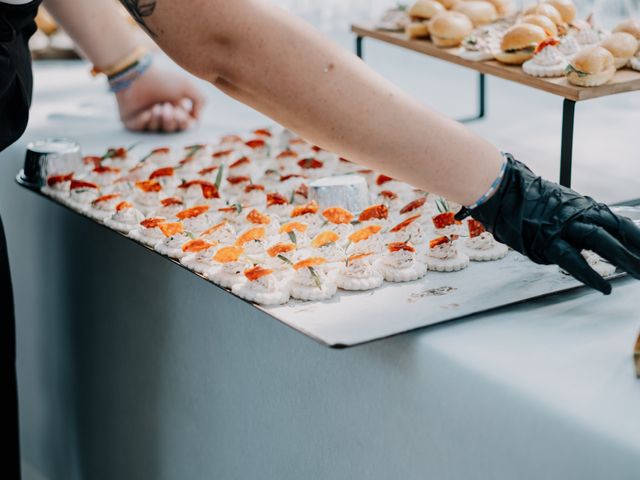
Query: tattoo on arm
column 139, row 9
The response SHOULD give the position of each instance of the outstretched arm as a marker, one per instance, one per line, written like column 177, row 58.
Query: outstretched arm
column 157, row 100
column 278, row 64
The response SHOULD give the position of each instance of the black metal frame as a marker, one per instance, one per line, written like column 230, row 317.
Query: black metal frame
column 568, row 121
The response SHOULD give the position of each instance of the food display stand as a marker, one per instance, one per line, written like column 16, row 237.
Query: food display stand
column 625, row 80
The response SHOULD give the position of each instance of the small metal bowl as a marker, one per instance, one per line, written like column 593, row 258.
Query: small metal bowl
column 47, row 157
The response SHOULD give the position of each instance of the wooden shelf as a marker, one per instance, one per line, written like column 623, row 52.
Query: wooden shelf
column 625, row 80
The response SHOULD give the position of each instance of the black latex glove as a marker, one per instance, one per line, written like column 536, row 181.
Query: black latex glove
column 552, row 224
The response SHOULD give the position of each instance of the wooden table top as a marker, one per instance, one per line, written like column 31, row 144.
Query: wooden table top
column 625, row 80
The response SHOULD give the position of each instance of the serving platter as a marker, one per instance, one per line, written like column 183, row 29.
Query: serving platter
column 353, row 318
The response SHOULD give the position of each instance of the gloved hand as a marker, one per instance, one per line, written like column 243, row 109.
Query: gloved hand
column 552, row 224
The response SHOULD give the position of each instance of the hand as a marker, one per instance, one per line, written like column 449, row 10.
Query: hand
column 553, row 224
column 160, row 101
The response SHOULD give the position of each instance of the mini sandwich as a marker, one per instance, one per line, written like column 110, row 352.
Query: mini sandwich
column 503, row 7
column 425, row 9
column 448, row 29
column 622, row 46
column 566, row 8
column 592, row 66
column 416, row 30
column 448, row 4
column 631, row 26
column 547, row 10
column 543, row 22
column 478, row 11
column 519, row 43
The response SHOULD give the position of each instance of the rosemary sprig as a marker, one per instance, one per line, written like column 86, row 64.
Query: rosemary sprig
column 293, row 197
column 442, row 205
column 292, row 236
column 219, row 177
column 284, row 259
column 316, row 277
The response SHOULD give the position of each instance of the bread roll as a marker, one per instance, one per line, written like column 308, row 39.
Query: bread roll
column 417, row 30
column 591, row 67
column 631, row 26
column 519, row 43
column 566, row 8
column 448, row 29
column 425, row 9
column 478, row 11
column 540, row 20
column 622, row 46
column 547, row 10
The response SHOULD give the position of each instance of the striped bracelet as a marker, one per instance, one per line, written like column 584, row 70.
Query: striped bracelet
column 126, row 77
column 466, row 210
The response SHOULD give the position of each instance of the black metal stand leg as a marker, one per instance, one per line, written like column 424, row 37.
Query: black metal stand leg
column 566, row 148
column 359, row 46
column 481, row 101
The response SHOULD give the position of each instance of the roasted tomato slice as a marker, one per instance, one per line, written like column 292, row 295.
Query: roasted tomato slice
column 274, row 198
column 475, row 228
column 405, row 223
column 382, row 179
column 309, row 262
column 280, row 248
column 196, row 245
column 105, row 198
column 400, row 246
column 166, row 202
column 380, row 212
column 171, row 229
column 152, row 222
column 55, row 179
column 255, row 233
column 413, row 205
column 310, row 163
column 238, row 179
column 149, row 186
column 255, row 217
column 443, row 220
column 364, row 233
column 358, row 256
column 82, row 184
column 240, row 162
column 192, row 212
column 254, row 273
column 337, row 215
column 309, row 208
column 228, row 254
column 123, row 206
column 291, row 226
column 439, row 241
column 255, row 143
column 252, row 187
column 221, row 153
column 324, row 238
column 162, row 172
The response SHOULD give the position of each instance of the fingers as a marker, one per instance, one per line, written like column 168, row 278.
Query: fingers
column 569, row 259
column 156, row 118
column 620, row 227
column 197, row 101
column 168, row 123
column 139, row 122
column 604, row 244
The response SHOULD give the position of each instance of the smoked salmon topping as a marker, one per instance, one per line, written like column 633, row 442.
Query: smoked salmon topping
column 123, row 206
column 162, row 172
column 89, row 159
column 152, row 222
column 228, row 254
column 105, row 198
column 256, row 143
column 337, row 215
column 240, row 162
column 413, row 205
column 439, row 241
column 388, row 194
column 161, row 150
column 206, row 171
column 280, row 248
column 222, row 153
column 82, row 184
column 254, row 273
column 171, row 229
column 324, row 238
column 253, row 186
column 309, row 208
column 287, row 154
column 262, row 131
column 382, row 179
column 444, row 219
column 310, row 163
column 364, row 233
column 167, row 202
column 358, row 256
column 99, row 169
column 237, row 180
column 380, row 212
column 302, row 190
column 230, row 139
column 119, row 152
column 309, row 262
column 291, row 226
column 255, row 217
column 215, row 228
column 404, row 224
column 149, row 186
column 55, row 179
column 475, row 228
column 196, row 245
column 274, row 198
column 250, row 235
column 284, row 178
column 192, row 212
column 400, row 246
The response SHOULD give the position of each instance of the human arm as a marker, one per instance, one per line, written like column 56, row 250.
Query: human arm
column 157, row 100
column 271, row 60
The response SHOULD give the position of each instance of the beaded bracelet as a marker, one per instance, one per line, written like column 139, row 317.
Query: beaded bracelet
column 121, row 80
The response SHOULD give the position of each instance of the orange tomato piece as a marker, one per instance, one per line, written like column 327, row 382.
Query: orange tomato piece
column 256, row 143
column 323, row 238
column 279, row 248
column 274, row 198
column 228, row 254
column 192, row 212
column 475, row 228
column 439, row 241
column 82, row 184
column 166, row 202
column 254, row 273
column 311, row 207
column 123, row 206
column 444, row 219
column 398, row 246
column 237, row 179
column 309, row 262
column 55, row 179
column 405, row 223
column 382, row 179
column 254, row 216
column 310, row 163
column 291, row 226
column 337, row 215
column 149, row 186
column 380, row 212
column 162, row 172
column 255, row 233
column 105, row 198
column 196, row 245
column 358, row 256
column 364, row 233
column 171, row 229
column 152, row 222
column 240, row 162
column 216, row 227
column 413, row 205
